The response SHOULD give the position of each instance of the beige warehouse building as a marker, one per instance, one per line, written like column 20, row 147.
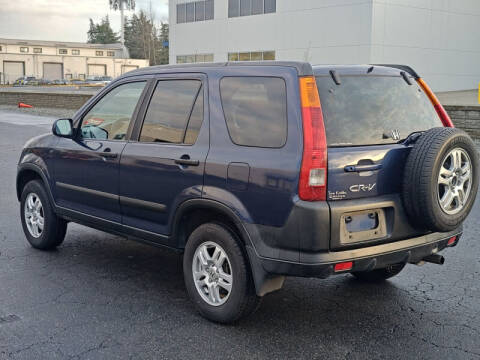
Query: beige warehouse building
column 54, row 60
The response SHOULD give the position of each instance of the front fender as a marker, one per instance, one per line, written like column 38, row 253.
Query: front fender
column 39, row 168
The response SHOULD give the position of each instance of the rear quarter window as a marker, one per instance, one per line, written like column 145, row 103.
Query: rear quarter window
column 365, row 109
column 255, row 110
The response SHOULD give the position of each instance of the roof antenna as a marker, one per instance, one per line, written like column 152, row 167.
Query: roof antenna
column 370, row 69
column 335, row 77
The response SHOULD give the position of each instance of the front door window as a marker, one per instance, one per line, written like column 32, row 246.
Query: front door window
column 110, row 118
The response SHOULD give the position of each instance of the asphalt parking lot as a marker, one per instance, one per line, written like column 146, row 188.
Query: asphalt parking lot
column 99, row 297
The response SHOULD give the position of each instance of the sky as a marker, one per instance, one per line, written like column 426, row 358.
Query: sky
column 63, row 20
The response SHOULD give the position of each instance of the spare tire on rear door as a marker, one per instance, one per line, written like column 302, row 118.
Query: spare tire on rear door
column 440, row 179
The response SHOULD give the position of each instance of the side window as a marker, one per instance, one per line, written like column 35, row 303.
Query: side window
column 255, row 110
column 175, row 112
column 110, row 117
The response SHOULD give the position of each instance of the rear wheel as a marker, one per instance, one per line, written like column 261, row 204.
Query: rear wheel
column 42, row 228
column 379, row 275
column 217, row 274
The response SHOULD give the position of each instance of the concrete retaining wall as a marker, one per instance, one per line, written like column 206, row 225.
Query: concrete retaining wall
column 466, row 118
column 60, row 99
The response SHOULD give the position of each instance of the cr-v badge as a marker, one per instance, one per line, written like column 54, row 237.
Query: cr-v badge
column 362, row 187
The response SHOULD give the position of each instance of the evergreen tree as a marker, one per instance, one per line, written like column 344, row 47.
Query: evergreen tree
column 102, row 32
column 144, row 41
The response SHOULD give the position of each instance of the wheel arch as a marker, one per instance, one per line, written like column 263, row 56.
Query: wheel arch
column 28, row 172
column 193, row 213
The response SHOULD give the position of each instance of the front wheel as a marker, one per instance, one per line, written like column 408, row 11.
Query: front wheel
column 217, row 275
column 42, row 228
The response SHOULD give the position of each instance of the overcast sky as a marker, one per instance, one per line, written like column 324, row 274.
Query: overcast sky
column 62, row 20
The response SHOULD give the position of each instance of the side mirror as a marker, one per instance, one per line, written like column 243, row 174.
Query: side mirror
column 63, row 128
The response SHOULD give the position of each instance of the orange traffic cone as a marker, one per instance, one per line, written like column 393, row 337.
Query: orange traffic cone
column 22, row 105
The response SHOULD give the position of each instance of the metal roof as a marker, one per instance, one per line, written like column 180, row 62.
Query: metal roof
column 58, row 44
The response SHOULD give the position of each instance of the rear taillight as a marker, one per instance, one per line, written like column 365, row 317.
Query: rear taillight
column 313, row 174
column 442, row 114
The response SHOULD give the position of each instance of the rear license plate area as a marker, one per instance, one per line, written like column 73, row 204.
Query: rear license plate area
column 362, row 226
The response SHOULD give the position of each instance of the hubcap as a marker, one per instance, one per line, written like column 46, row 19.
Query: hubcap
column 212, row 273
column 34, row 217
column 454, row 181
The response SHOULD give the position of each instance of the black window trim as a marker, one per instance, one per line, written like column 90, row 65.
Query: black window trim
column 136, row 132
column 78, row 119
column 225, row 116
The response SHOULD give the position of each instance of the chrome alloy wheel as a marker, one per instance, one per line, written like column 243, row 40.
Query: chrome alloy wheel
column 212, row 273
column 454, row 181
column 34, row 217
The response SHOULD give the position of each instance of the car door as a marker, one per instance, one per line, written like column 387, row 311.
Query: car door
column 163, row 164
column 86, row 167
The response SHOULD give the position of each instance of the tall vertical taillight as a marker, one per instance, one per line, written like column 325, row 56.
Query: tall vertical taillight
column 442, row 114
column 313, row 174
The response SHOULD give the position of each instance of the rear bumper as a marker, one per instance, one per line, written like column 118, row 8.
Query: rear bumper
column 411, row 250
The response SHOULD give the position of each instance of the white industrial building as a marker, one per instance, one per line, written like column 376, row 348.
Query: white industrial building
column 54, row 60
column 439, row 38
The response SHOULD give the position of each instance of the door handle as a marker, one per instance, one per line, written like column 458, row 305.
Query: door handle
column 109, row 155
column 360, row 168
column 185, row 160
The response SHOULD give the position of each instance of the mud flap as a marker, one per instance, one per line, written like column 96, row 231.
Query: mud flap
column 264, row 282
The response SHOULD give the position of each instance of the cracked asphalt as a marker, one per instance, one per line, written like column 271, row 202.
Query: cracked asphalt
column 102, row 297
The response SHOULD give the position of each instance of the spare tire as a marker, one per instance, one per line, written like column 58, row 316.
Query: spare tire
column 440, row 179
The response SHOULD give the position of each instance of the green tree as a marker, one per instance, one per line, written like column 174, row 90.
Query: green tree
column 102, row 32
column 144, row 40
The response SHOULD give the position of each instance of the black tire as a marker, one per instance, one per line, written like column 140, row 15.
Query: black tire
column 379, row 275
column 420, row 184
column 242, row 300
column 54, row 228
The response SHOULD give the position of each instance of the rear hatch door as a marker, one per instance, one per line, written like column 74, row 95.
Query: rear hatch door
column 369, row 112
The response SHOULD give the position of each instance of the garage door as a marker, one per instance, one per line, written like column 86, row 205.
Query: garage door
column 97, row 70
column 12, row 70
column 127, row 68
column 52, row 71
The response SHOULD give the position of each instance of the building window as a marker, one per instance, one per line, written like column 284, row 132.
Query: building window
column 251, row 7
column 75, row 52
column 37, row 50
column 99, row 53
column 24, row 49
column 251, row 56
column 63, row 51
column 110, row 53
column 195, row 11
column 197, row 58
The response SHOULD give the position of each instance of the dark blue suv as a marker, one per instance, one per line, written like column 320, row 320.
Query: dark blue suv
column 257, row 171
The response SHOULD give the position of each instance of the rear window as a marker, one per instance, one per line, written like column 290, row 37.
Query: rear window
column 255, row 110
column 367, row 110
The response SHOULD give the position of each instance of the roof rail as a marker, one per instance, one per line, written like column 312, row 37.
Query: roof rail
column 405, row 68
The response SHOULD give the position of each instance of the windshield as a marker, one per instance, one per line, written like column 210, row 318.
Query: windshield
column 369, row 109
